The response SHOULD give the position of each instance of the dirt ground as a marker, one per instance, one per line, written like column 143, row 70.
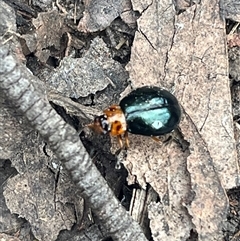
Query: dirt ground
column 87, row 55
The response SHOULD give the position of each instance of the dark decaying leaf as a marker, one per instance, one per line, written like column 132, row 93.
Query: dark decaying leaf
column 96, row 69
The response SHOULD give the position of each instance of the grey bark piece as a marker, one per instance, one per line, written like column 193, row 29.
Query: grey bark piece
column 99, row 14
column 93, row 72
column 230, row 9
column 234, row 63
column 8, row 221
column 8, row 19
column 43, row 4
column 9, row 140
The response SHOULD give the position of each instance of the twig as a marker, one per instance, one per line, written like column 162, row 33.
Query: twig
column 75, row 12
column 61, row 7
column 68, row 44
column 234, row 28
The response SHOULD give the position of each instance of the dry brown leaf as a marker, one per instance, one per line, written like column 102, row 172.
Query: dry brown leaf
column 186, row 53
column 35, row 194
column 49, row 32
column 84, row 76
column 99, row 14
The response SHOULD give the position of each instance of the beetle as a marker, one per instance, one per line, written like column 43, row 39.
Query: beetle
column 148, row 111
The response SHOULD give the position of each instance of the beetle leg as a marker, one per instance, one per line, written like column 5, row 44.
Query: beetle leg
column 126, row 139
column 121, row 156
column 155, row 138
column 166, row 139
column 120, row 142
column 179, row 139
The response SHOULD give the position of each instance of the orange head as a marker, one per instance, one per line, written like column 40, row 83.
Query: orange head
column 112, row 121
column 100, row 124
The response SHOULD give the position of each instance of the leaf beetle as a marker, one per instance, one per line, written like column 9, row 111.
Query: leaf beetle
column 148, row 111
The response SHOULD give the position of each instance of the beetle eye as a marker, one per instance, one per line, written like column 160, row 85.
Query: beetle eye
column 104, row 124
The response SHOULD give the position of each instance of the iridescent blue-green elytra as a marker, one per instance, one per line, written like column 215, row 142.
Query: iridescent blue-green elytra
column 151, row 111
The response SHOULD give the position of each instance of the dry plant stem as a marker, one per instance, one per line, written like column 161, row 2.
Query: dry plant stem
column 68, row 44
column 65, row 143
